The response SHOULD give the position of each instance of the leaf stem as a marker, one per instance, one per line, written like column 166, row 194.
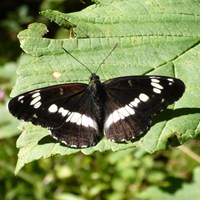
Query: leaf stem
column 190, row 153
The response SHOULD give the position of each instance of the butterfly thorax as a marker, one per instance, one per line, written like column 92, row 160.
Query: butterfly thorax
column 98, row 97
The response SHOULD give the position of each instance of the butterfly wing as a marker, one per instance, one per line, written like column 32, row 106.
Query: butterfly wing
column 132, row 101
column 66, row 110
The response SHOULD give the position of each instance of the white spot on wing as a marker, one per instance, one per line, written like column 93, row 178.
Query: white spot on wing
column 35, row 116
column 155, row 80
column 73, row 145
column 123, row 111
column 85, row 121
column 53, row 135
column 63, row 111
column 134, row 103
column 130, row 110
column 64, row 142
column 84, row 146
column 109, row 120
column 112, row 140
column 37, row 105
column 92, row 123
column 170, row 79
column 130, row 83
column 143, row 97
column 35, row 91
column 156, row 90
column 79, row 121
column 35, row 95
column 156, row 85
column 35, row 100
column 61, row 91
column 115, row 116
column 75, row 117
column 20, row 98
column 53, row 108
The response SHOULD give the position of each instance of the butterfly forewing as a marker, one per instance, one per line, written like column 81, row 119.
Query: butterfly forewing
column 41, row 106
column 66, row 110
column 132, row 101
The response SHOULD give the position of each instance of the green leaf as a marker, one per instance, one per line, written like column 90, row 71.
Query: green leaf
column 160, row 38
column 127, row 18
column 184, row 191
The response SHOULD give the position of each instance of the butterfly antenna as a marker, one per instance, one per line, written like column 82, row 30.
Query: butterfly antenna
column 76, row 59
column 85, row 65
column 106, row 58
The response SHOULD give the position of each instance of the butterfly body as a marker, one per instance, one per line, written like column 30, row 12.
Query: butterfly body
column 97, row 93
column 77, row 114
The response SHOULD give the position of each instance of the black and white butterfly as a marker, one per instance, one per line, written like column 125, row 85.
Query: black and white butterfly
column 77, row 114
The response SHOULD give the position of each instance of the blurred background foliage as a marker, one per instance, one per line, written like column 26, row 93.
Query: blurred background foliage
column 129, row 174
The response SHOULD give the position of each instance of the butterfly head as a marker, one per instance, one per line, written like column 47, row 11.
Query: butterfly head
column 94, row 78
column 95, row 84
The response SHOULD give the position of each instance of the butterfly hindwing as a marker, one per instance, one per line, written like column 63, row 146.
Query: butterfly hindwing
column 132, row 101
column 120, row 125
column 66, row 110
column 80, row 128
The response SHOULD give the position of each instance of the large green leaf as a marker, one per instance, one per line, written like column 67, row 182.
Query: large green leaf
column 160, row 38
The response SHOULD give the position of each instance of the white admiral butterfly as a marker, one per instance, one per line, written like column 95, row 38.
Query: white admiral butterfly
column 76, row 113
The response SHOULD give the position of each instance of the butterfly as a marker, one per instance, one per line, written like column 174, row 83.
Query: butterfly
column 76, row 114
